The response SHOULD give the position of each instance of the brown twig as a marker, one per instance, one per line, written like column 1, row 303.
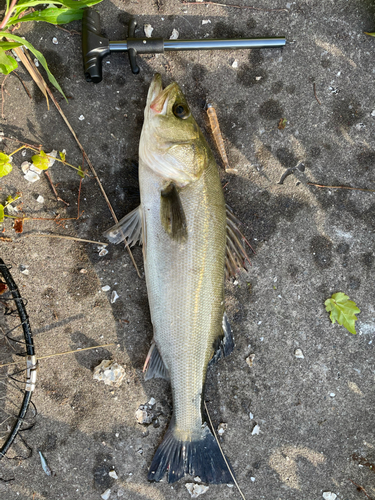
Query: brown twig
column 71, row 32
column 21, row 142
column 361, row 488
column 99, row 243
column 23, row 83
column 234, row 6
column 341, row 187
column 2, row 96
column 54, row 189
column 316, row 97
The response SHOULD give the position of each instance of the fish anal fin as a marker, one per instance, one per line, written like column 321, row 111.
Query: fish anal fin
column 154, row 365
column 224, row 343
column 236, row 255
column 128, row 229
column 172, row 213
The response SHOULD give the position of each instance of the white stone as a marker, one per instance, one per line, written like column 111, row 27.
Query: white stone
column 81, row 118
column 113, row 474
column 373, row 113
column 106, row 288
column 25, row 166
column 114, row 296
column 175, row 34
column 235, row 64
column 328, row 495
column 256, row 430
column 299, row 354
column 102, row 252
column 222, row 428
column 31, row 176
column 206, row 21
column 55, row 41
column 250, row 360
column 144, row 416
column 110, row 373
column 332, row 394
column 196, row 489
column 152, row 402
column 40, row 199
column 148, row 29
column 106, row 494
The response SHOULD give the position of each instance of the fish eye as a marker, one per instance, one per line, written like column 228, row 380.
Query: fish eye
column 181, row 111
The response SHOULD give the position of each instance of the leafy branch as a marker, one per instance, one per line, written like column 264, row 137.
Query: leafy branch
column 21, row 11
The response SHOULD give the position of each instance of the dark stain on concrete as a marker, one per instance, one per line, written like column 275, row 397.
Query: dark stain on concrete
column 368, row 259
column 88, row 359
column 342, row 248
column 321, row 250
column 101, row 469
column 354, row 283
column 277, row 87
column 248, row 73
column 286, row 157
column 346, row 113
column 315, row 152
column 271, row 110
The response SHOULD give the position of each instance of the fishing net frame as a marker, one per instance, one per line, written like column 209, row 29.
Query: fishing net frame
column 30, row 367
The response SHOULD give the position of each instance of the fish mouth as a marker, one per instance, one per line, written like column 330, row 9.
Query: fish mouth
column 158, row 98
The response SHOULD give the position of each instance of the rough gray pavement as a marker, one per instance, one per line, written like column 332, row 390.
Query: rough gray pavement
column 315, row 415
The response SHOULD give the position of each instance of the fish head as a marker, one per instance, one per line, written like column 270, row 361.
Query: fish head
column 171, row 143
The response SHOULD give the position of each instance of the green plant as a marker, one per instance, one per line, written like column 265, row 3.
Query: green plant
column 21, row 11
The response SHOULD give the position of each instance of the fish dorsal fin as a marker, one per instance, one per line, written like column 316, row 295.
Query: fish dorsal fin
column 172, row 214
column 129, row 228
column 224, row 343
column 154, row 365
column 236, row 254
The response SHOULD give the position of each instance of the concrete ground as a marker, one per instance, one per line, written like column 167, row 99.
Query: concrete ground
column 315, row 415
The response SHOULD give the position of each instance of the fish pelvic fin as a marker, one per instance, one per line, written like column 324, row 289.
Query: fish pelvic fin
column 129, row 228
column 199, row 457
column 224, row 344
column 236, row 255
column 154, row 365
column 172, row 213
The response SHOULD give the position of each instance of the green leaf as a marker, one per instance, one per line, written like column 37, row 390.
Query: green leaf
column 40, row 161
column 62, row 155
column 5, row 164
column 71, row 4
column 342, row 310
column 7, row 63
column 52, row 15
column 38, row 55
column 9, row 45
column 370, row 34
column 1, row 213
column 81, row 173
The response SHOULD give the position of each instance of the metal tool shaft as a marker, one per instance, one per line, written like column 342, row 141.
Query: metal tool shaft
column 145, row 45
column 214, row 44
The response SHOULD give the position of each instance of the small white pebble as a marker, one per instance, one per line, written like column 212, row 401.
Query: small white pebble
column 222, row 428
column 25, row 166
column 251, row 416
column 175, row 34
column 83, row 271
column 249, row 360
column 40, row 199
column 25, row 271
column 257, row 78
column 148, row 29
column 81, row 118
column 328, row 495
column 299, row 354
column 54, row 41
column 373, row 113
column 23, row 151
column 197, row 479
column 152, row 402
column 332, row 395
column 31, row 176
column 114, row 296
column 206, row 21
column 252, row 479
column 113, row 474
column 102, row 252
column 106, row 288
column 106, row 494
column 256, row 430
column 235, row 64
column 36, row 62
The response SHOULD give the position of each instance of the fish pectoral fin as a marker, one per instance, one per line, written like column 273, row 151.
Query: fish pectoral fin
column 129, row 228
column 224, row 343
column 154, row 365
column 236, row 254
column 172, row 214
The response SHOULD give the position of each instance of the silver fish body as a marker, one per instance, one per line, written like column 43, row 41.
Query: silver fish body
column 182, row 222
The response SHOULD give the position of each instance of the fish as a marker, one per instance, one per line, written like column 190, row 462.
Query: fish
column 190, row 242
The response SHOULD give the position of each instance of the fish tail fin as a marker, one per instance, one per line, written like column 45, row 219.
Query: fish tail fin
column 200, row 457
